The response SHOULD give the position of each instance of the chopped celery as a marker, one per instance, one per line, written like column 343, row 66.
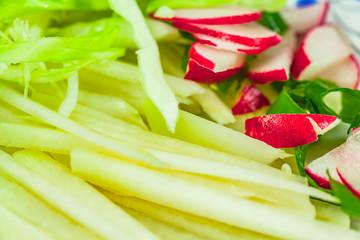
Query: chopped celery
column 71, row 195
column 214, row 107
column 114, row 106
column 268, row 5
column 204, row 227
column 50, row 140
column 116, row 175
column 57, row 49
column 14, row 227
column 163, row 230
column 200, row 131
column 15, row 99
column 125, row 37
column 33, row 210
column 149, row 62
column 130, row 73
column 69, row 102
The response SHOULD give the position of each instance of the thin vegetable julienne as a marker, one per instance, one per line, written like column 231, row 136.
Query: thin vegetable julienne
column 149, row 62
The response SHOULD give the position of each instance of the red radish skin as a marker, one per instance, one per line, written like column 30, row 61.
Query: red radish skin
column 274, row 64
column 251, row 100
column 345, row 74
column 214, row 59
column 224, row 15
column 321, row 181
column 303, row 19
column 200, row 74
column 351, row 179
column 227, row 45
column 252, row 34
column 321, row 48
column 344, row 157
column 288, row 130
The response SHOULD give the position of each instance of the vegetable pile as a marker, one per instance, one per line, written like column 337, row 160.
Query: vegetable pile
column 176, row 120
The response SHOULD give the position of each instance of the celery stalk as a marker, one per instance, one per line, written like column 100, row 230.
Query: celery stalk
column 69, row 103
column 200, row 131
column 206, row 228
column 40, row 215
column 15, row 99
column 149, row 62
column 116, row 174
column 14, row 227
column 71, row 195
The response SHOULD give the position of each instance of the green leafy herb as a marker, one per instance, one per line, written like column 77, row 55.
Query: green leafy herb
column 355, row 123
column 274, row 21
column 285, row 104
column 300, row 155
column 185, row 58
column 349, row 203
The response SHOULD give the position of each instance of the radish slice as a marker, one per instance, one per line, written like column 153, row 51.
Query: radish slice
column 274, row 64
column 289, row 130
column 252, row 34
column 227, row 45
column 304, row 18
column 198, row 73
column 322, row 47
column 350, row 177
column 345, row 74
column 344, row 157
column 251, row 100
column 223, row 15
column 214, row 59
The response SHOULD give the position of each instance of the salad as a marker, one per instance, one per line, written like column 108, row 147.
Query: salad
column 178, row 119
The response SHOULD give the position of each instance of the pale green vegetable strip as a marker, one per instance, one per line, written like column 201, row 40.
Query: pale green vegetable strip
column 194, row 129
column 163, row 230
column 149, row 62
column 114, row 106
column 33, row 210
column 331, row 213
column 69, row 103
column 50, row 140
column 71, row 195
column 116, row 174
column 217, row 169
column 160, row 30
column 131, row 73
column 214, row 107
column 21, row 136
column 15, row 99
column 51, row 50
column 209, row 229
column 15, row 228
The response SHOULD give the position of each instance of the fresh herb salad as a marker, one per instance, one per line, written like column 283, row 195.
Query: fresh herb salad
column 177, row 119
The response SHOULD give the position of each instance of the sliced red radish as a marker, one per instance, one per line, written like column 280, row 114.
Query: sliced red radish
column 252, row 34
column 289, row 130
column 340, row 159
column 351, row 178
column 214, row 59
column 321, row 48
column 345, row 74
column 274, row 64
column 304, row 18
column 227, row 45
column 251, row 100
column 198, row 73
column 222, row 15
